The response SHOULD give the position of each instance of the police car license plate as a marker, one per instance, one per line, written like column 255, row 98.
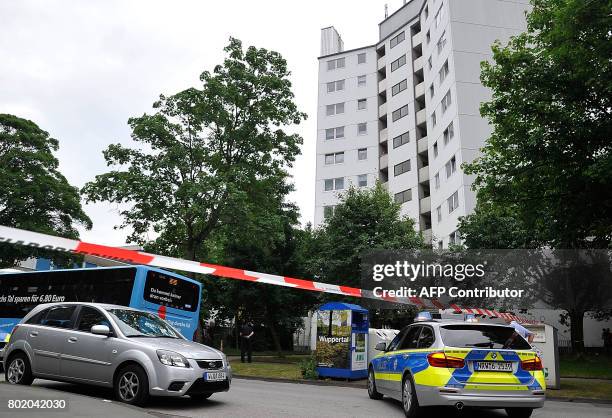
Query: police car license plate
column 214, row 376
column 493, row 366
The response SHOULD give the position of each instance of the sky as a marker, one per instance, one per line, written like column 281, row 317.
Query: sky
column 80, row 69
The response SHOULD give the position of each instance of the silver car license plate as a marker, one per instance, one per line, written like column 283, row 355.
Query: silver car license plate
column 214, row 376
column 493, row 366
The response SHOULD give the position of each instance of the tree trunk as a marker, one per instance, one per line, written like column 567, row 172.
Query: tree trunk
column 274, row 335
column 577, row 331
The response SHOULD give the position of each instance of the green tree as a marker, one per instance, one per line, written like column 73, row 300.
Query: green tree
column 544, row 176
column 34, row 195
column 364, row 220
column 204, row 154
column 549, row 157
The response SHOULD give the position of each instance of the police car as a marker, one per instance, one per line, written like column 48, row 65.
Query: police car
column 458, row 363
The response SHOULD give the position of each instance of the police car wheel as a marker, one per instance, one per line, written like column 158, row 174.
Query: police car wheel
column 372, row 392
column 409, row 398
column 519, row 412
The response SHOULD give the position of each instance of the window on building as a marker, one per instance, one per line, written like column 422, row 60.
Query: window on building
column 401, row 168
column 433, row 119
column 328, row 211
column 446, row 101
column 334, row 158
column 361, row 81
column 362, row 128
column 440, row 15
column 334, row 184
column 454, row 239
column 440, row 244
column 336, row 63
column 439, row 213
column 400, row 140
column 397, row 39
column 441, row 42
column 362, row 180
column 429, row 63
column 451, row 166
column 437, row 181
column 403, row 197
column 335, row 109
column 401, row 61
column 432, row 90
column 340, row 132
column 362, row 104
column 335, row 86
column 399, row 113
column 361, row 58
column 435, row 149
column 362, row 154
column 444, row 71
column 449, row 133
column 428, row 37
column 453, row 202
column 399, row 87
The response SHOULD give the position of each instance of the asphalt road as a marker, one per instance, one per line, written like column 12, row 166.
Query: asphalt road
column 250, row 398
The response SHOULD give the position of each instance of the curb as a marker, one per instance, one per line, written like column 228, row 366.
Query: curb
column 579, row 400
column 303, row 382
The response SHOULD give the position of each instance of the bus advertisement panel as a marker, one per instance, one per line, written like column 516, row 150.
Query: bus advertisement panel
column 173, row 297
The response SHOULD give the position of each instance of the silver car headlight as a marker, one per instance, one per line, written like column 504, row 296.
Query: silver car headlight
column 170, row 358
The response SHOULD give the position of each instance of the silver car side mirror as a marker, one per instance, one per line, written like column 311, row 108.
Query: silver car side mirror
column 100, row 330
column 381, row 346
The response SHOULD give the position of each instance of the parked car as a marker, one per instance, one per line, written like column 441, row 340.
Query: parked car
column 135, row 352
column 459, row 364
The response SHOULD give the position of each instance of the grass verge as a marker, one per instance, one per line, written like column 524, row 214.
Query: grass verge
column 270, row 370
column 583, row 388
column 589, row 366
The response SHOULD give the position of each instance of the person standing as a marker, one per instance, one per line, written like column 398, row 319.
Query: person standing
column 246, row 341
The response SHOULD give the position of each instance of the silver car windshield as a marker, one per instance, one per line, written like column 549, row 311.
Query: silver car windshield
column 141, row 324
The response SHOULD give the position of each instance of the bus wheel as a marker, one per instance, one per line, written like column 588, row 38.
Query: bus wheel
column 132, row 385
column 18, row 370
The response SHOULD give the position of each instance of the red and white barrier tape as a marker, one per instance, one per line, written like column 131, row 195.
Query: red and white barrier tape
column 49, row 242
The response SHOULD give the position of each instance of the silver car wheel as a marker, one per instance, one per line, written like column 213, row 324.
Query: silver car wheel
column 128, row 386
column 407, row 395
column 16, row 371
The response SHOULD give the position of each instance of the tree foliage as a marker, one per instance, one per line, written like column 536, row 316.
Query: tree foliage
column 548, row 162
column 34, row 195
column 544, row 178
column 206, row 153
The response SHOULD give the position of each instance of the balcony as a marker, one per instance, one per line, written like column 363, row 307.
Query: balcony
column 424, row 174
column 385, row 185
column 421, row 117
column 383, row 162
column 382, row 110
column 381, row 63
column 418, row 64
column 425, row 205
column 383, row 135
column 417, row 39
column 382, row 85
column 419, row 90
column 422, row 145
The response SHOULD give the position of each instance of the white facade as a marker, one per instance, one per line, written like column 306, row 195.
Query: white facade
column 426, row 63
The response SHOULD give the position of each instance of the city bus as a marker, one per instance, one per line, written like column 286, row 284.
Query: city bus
column 172, row 297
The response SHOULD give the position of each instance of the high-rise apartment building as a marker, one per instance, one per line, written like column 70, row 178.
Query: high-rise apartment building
column 405, row 111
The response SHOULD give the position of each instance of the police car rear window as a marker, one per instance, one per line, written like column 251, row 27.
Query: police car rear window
column 482, row 336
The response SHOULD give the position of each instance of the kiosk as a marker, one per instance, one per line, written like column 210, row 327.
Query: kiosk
column 342, row 341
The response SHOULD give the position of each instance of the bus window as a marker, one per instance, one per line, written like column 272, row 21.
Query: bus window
column 171, row 292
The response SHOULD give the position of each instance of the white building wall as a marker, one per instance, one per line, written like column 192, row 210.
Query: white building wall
column 352, row 141
column 470, row 27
